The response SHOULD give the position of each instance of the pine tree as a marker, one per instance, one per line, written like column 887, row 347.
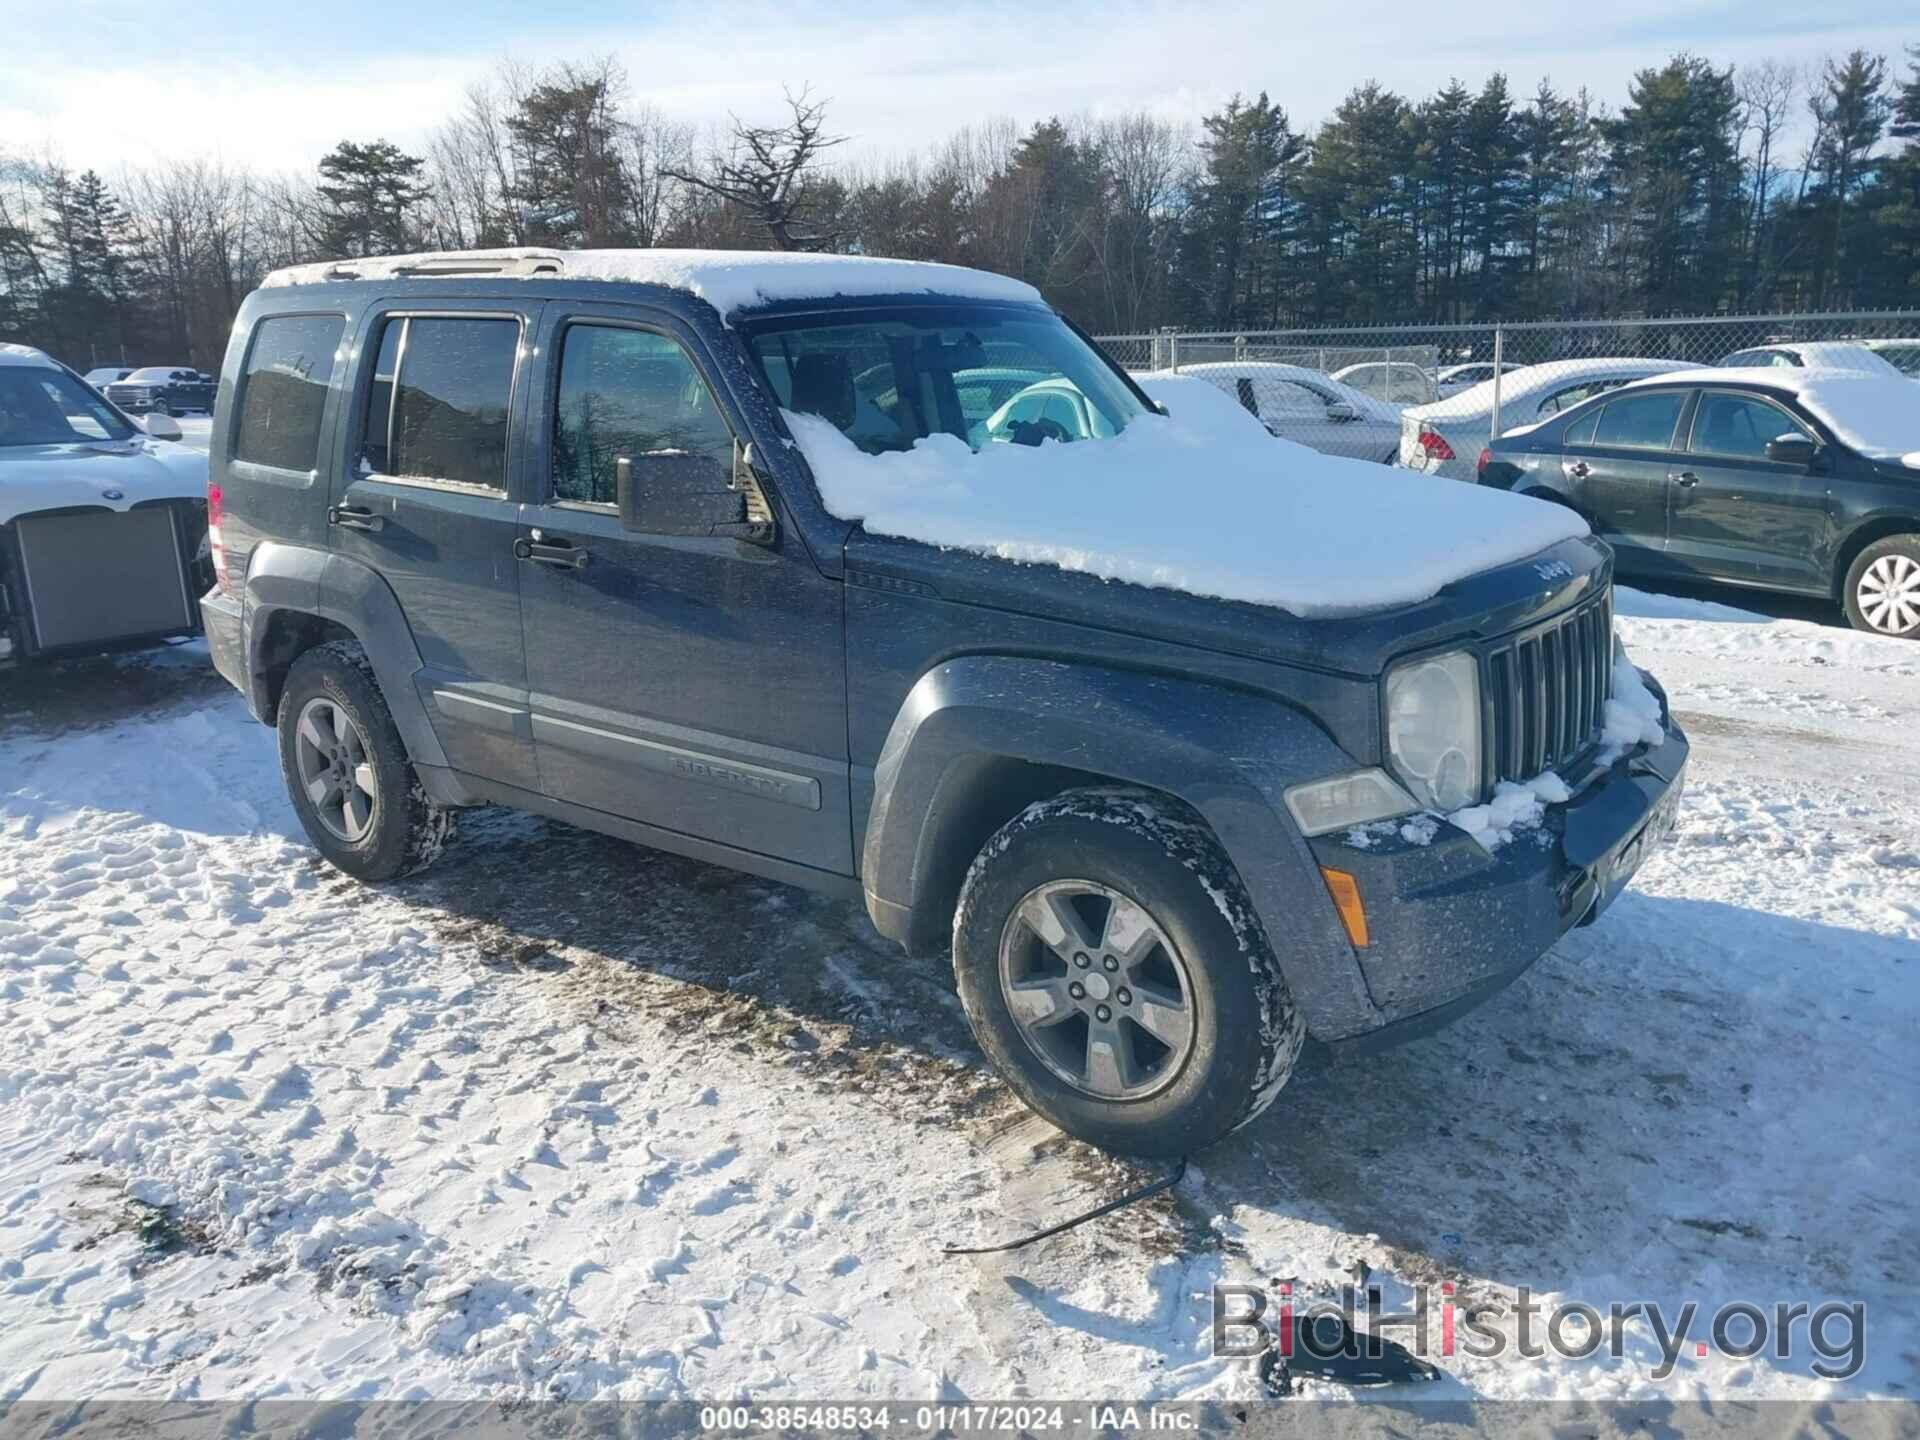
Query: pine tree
column 368, row 194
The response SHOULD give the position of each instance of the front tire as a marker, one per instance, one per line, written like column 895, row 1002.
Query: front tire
column 1882, row 588
column 1115, row 974
column 347, row 772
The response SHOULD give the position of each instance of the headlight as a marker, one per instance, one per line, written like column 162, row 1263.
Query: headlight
column 1433, row 729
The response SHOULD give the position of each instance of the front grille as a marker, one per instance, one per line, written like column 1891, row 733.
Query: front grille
column 1549, row 689
column 128, row 394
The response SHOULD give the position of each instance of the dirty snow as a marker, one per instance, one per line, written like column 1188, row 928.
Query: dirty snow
column 568, row 1117
column 1258, row 519
column 728, row 280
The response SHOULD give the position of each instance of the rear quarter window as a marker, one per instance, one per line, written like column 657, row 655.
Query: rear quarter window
column 283, row 390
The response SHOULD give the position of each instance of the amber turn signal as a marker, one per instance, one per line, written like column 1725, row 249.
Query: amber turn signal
column 1346, row 899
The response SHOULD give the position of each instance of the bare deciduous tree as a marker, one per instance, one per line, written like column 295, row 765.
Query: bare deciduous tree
column 764, row 169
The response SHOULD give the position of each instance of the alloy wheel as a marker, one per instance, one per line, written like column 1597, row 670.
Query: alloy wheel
column 1889, row 594
column 336, row 770
column 1096, row 988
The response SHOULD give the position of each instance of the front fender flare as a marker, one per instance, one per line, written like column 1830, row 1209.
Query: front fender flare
column 1229, row 754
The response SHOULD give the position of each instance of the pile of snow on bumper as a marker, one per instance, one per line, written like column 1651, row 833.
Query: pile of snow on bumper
column 1203, row 500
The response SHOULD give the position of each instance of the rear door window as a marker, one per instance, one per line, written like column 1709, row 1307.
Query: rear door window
column 440, row 393
column 283, row 390
column 1640, row 422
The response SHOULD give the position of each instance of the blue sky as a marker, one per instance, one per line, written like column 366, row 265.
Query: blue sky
column 274, row 86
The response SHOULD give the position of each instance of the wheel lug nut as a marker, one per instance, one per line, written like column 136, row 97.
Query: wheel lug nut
column 1082, row 961
column 1077, row 990
column 1110, row 963
column 1125, row 997
column 1103, row 1013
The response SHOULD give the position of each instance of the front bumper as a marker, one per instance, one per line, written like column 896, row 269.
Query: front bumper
column 1451, row 924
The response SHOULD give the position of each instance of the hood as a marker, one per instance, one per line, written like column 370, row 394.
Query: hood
column 104, row 476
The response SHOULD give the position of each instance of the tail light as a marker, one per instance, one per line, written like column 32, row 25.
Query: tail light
column 1480, row 466
column 216, row 547
column 1435, row 444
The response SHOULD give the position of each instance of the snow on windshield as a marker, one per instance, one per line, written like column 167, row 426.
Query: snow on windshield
column 1876, row 415
column 1204, row 501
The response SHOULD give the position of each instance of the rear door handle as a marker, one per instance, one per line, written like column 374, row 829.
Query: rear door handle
column 1686, row 479
column 561, row 556
column 1579, row 469
column 352, row 517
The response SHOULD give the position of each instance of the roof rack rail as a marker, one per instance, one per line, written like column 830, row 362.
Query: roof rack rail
column 452, row 265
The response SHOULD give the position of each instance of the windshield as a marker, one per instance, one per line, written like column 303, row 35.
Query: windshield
column 886, row 378
column 43, row 406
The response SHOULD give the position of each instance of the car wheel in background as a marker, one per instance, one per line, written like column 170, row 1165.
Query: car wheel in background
column 347, row 772
column 1115, row 974
column 1882, row 588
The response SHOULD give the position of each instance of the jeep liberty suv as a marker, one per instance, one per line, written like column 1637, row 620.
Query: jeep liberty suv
column 878, row 577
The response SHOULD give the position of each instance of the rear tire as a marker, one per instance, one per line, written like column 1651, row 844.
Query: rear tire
column 347, row 771
column 1160, row 916
column 1882, row 589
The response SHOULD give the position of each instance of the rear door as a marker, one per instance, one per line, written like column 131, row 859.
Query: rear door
column 1616, row 459
column 696, row 684
column 1733, row 513
column 423, row 496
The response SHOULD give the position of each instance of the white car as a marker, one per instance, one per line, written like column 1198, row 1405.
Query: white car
column 1446, row 437
column 1450, row 380
column 1903, row 354
column 1307, row 407
column 103, row 519
column 1398, row 382
column 1819, row 354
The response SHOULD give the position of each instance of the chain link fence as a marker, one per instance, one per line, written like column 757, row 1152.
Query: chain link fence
column 1429, row 397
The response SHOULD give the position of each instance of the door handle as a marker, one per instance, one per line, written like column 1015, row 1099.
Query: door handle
column 1579, row 469
column 353, row 517
column 1686, row 479
column 561, row 556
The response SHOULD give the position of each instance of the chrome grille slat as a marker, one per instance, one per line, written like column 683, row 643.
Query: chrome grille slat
column 1549, row 691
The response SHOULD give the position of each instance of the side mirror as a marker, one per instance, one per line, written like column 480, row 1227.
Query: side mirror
column 1341, row 410
column 676, row 492
column 161, row 427
column 1792, row 450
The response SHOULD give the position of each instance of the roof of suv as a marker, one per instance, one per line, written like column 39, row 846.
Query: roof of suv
column 728, row 280
column 11, row 354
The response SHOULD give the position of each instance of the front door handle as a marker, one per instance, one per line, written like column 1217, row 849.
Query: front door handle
column 561, row 556
column 353, row 517
column 1686, row 479
column 1579, row 469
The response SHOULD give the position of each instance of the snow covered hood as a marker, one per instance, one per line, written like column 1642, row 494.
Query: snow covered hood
column 728, row 280
column 1203, row 501
column 1877, row 414
column 105, row 475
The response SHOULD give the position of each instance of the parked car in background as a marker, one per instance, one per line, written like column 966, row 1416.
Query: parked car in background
column 1452, row 379
column 1307, row 407
column 1099, row 718
column 106, row 375
column 102, row 518
column 1446, row 437
column 165, row 389
column 1828, row 354
column 1781, row 478
column 1903, row 355
column 1397, row 382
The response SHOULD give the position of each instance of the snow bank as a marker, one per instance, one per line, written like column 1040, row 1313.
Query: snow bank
column 1205, row 501
column 728, row 280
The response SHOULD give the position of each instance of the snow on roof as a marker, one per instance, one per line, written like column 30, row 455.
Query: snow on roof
column 1876, row 414
column 1519, row 383
column 728, row 280
column 11, row 354
column 1205, row 501
column 1835, row 355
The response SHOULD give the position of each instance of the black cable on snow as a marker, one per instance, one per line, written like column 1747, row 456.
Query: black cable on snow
column 1132, row 1197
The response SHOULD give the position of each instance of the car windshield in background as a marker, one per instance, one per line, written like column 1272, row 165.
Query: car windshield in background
column 43, row 406
column 888, row 378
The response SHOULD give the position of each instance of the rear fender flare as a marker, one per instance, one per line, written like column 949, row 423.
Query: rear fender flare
column 1228, row 754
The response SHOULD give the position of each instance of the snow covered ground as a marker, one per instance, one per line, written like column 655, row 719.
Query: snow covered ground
column 570, row 1118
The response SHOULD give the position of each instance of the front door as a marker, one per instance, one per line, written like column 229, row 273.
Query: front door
column 693, row 684
column 1735, row 514
column 1616, row 459
column 422, row 498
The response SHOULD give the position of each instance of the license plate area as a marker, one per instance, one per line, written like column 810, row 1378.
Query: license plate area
column 1616, row 870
